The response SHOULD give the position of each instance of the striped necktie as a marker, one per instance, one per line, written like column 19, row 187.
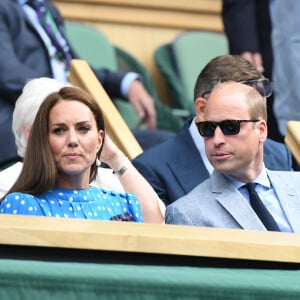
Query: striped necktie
column 52, row 29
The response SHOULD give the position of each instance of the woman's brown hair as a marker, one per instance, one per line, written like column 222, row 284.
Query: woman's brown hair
column 39, row 172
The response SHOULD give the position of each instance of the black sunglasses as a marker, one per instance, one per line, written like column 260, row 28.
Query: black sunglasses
column 264, row 86
column 228, row 127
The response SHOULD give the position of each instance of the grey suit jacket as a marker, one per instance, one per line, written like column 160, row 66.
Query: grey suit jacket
column 217, row 203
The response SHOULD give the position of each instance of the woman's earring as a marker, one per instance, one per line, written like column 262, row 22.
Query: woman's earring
column 98, row 162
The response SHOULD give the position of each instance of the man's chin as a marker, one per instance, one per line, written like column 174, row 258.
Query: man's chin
column 220, row 164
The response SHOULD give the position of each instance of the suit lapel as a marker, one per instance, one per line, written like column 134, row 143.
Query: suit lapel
column 234, row 203
column 189, row 170
column 29, row 23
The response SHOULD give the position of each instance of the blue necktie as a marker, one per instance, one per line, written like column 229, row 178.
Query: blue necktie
column 46, row 20
column 258, row 206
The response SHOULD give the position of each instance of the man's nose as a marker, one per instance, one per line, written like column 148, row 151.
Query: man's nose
column 219, row 136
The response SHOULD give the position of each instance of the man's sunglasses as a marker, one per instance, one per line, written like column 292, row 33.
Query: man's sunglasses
column 228, row 127
column 264, row 86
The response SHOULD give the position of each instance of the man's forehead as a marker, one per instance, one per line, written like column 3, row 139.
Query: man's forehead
column 228, row 97
column 230, row 87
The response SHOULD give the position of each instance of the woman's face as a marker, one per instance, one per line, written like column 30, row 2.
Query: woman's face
column 73, row 138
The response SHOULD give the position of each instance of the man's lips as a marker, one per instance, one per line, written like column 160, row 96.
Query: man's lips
column 220, row 155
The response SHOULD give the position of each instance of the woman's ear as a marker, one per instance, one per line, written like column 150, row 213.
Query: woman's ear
column 200, row 104
column 100, row 138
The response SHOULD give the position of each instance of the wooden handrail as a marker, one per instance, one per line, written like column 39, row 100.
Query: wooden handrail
column 149, row 238
column 82, row 76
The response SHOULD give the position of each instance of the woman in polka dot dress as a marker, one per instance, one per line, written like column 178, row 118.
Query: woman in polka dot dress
column 61, row 160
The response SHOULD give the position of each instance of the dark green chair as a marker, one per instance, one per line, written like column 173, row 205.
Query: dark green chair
column 94, row 47
column 180, row 62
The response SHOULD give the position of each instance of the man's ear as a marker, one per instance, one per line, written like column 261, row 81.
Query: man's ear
column 200, row 104
column 263, row 131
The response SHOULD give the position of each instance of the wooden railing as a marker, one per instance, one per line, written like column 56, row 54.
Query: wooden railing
column 182, row 242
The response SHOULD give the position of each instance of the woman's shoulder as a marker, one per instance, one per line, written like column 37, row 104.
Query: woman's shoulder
column 18, row 196
column 19, row 203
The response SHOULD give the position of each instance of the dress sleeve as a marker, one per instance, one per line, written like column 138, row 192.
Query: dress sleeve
column 134, row 207
column 21, row 204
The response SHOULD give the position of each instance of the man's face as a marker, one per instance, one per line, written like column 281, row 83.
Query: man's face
column 239, row 155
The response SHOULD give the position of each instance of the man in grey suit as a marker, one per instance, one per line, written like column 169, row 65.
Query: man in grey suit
column 176, row 166
column 234, row 128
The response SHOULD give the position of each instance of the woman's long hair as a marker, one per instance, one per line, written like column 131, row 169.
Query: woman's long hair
column 39, row 172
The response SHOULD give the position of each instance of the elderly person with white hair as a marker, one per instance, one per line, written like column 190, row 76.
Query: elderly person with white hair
column 26, row 107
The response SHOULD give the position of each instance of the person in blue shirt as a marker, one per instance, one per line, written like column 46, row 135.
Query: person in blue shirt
column 61, row 160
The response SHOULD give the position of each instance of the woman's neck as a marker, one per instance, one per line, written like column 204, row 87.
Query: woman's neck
column 75, row 182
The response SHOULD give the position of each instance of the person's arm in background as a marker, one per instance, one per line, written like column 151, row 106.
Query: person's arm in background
column 133, row 182
column 128, row 86
column 17, row 51
column 240, row 25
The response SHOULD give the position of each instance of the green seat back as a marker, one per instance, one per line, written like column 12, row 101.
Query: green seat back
column 91, row 45
column 192, row 50
column 166, row 66
column 181, row 61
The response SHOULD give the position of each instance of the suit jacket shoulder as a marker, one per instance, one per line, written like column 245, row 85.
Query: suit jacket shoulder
column 174, row 167
column 277, row 156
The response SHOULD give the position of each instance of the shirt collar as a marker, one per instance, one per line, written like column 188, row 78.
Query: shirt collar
column 262, row 179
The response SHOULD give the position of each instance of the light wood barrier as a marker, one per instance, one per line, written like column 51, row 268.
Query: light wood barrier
column 177, row 241
column 82, row 76
column 292, row 138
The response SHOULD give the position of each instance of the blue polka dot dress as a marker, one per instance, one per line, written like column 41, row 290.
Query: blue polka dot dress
column 92, row 203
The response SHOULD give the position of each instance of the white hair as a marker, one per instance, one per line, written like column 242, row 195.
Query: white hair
column 34, row 93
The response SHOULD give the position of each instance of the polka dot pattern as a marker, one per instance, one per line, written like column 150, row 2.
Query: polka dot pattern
column 92, row 203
